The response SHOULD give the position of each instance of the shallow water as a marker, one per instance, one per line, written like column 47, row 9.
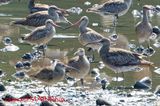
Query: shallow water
column 125, row 28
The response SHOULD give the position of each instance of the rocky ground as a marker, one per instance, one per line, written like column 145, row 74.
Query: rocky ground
column 32, row 94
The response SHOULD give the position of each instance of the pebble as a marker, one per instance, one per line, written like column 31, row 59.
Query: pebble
column 104, row 83
column 7, row 41
column 144, row 83
column 2, row 103
column 46, row 103
column 156, row 30
column 27, row 56
column 102, row 102
column 19, row 75
column 26, row 96
column 2, row 87
column 8, row 97
column 139, row 49
column 148, row 51
column 157, row 91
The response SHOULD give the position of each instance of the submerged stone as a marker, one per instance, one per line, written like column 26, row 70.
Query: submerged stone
column 26, row 96
column 2, row 87
column 8, row 97
column 145, row 83
column 46, row 103
column 102, row 102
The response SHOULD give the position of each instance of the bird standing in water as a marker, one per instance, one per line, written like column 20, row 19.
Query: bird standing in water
column 120, row 60
column 41, row 35
column 144, row 28
column 39, row 18
column 81, row 63
column 112, row 7
column 87, row 34
column 51, row 74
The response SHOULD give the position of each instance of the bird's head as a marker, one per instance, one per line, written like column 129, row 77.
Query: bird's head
column 82, row 21
column 50, row 22
column 80, row 52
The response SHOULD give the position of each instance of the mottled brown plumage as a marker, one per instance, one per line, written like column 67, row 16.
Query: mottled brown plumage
column 39, row 18
column 112, row 7
column 81, row 63
column 120, row 60
column 41, row 35
column 87, row 34
column 144, row 28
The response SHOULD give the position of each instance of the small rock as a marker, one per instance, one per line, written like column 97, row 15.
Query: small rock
column 2, row 87
column 7, row 41
column 26, row 96
column 104, row 83
column 46, row 103
column 122, row 100
column 156, row 30
column 101, row 102
column 113, row 37
column 8, row 97
column 21, row 104
column 144, row 83
column 157, row 91
column 38, row 92
column 27, row 56
column 129, row 95
column 20, row 75
column 27, row 64
column 148, row 51
column 19, row 65
column 1, row 72
column 2, row 103
column 139, row 49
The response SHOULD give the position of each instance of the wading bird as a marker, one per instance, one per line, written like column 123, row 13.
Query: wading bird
column 87, row 34
column 112, row 7
column 81, row 63
column 51, row 74
column 41, row 35
column 120, row 60
column 144, row 28
column 39, row 18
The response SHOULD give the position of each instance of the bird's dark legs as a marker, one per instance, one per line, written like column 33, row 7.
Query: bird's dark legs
column 115, row 20
column 82, row 82
column 47, row 91
column 116, row 79
column 123, row 79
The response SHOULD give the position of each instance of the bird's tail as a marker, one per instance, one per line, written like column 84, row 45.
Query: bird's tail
column 147, row 63
column 18, row 22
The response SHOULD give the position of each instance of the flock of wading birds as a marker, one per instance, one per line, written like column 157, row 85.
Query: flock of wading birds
column 45, row 17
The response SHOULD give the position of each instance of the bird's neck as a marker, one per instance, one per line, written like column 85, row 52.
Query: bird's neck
column 31, row 4
column 128, row 2
column 51, row 28
column 145, row 16
column 83, row 58
column 104, row 50
column 83, row 27
column 54, row 15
